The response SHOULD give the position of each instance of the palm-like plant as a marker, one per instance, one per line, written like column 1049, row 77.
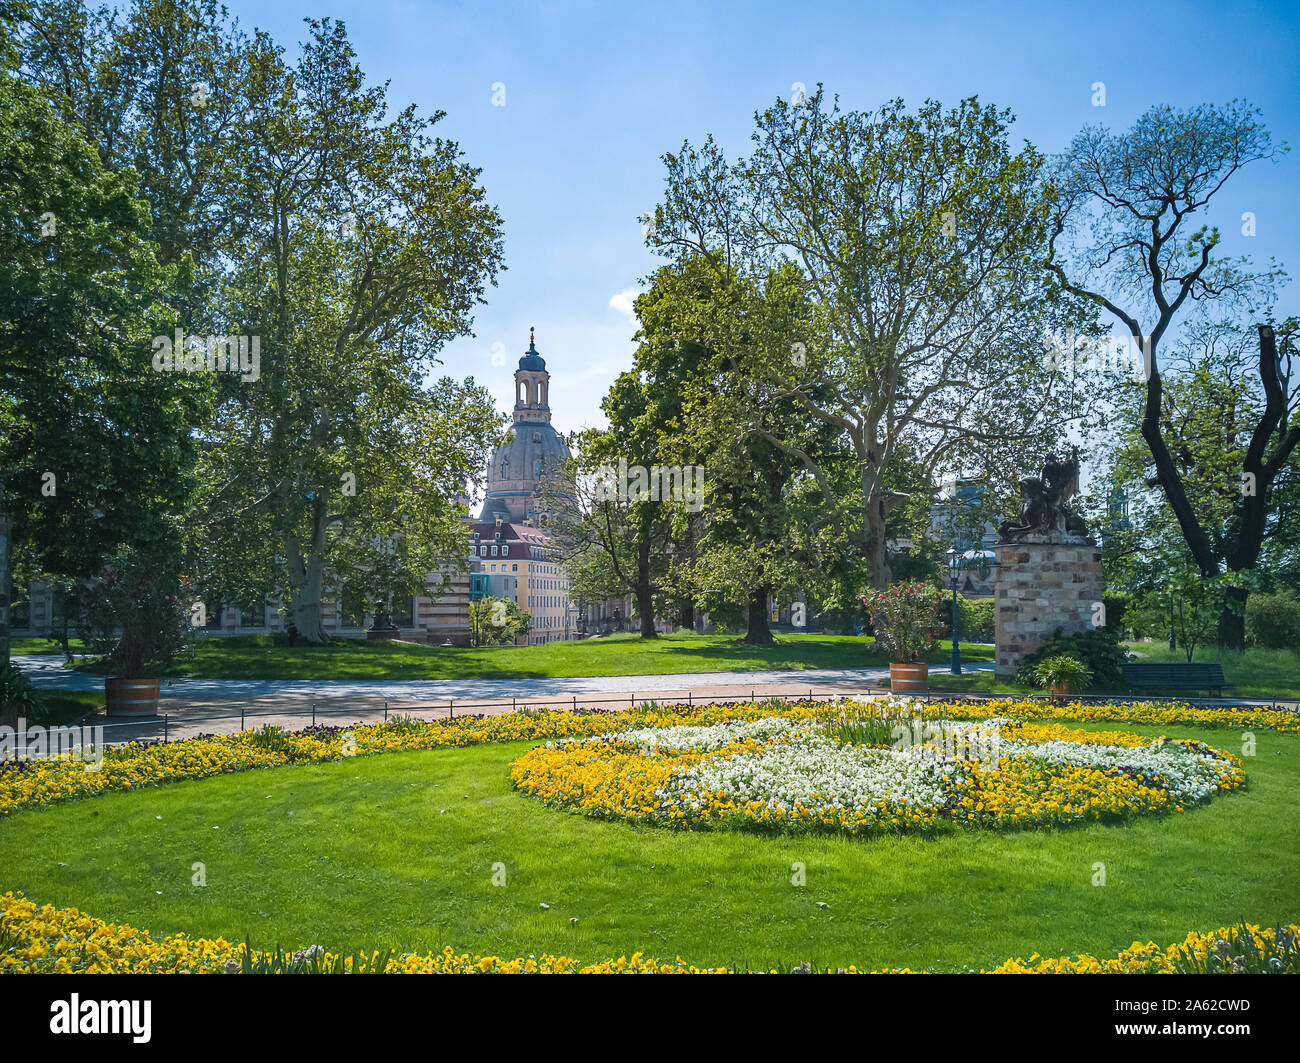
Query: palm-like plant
column 1063, row 674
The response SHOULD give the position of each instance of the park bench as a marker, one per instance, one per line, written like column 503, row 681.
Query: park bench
column 1174, row 676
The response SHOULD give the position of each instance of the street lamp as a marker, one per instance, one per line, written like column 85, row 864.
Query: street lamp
column 954, row 573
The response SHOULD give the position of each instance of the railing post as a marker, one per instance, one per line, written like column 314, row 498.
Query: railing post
column 165, row 730
column 313, row 713
column 451, row 708
column 241, row 716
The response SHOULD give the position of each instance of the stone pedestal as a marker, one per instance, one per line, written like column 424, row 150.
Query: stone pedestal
column 1042, row 586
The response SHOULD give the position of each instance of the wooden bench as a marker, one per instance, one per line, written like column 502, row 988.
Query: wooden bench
column 1174, row 676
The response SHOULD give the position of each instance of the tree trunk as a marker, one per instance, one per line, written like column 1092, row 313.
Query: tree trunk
column 873, row 545
column 687, row 619
column 645, row 607
column 307, row 578
column 307, row 605
column 645, row 600
column 1232, row 620
column 6, row 585
column 757, row 632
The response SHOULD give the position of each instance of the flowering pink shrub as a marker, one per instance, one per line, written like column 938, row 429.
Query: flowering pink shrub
column 138, row 615
column 905, row 618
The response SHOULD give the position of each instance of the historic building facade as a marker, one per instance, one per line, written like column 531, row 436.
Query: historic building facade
column 509, row 552
column 532, row 448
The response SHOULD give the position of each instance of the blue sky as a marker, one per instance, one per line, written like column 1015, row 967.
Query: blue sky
column 595, row 93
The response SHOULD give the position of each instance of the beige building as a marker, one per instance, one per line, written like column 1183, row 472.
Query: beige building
column 520, row 562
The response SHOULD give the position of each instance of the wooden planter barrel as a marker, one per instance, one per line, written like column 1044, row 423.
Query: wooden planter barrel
column 131, row 697
column 905, row 678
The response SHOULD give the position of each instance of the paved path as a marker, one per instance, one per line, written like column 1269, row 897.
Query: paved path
column 47, row 672
column 218, row 706
column 194, row 706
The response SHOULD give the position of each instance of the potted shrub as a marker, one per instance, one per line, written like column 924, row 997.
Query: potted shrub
column 905, row 618
column 1063, row 675
column 138, row 616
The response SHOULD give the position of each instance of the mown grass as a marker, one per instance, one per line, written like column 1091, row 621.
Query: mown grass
column 398, row 851
column 268, row 657
column 38, row 644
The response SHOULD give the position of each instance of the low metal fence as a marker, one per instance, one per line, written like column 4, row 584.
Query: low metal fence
column 433, row 709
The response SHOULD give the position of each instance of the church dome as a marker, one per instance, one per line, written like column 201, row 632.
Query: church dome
column 531, row 448
column 532, row 361
column 531, row 451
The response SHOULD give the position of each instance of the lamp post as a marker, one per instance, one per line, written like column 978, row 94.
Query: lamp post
column 954, row 572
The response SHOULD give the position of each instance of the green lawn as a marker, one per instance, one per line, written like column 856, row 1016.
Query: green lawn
column 43, row 645
column 267, row 657
column 397, row 850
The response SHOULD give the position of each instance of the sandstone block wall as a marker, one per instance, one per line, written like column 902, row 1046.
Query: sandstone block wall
column 1041, row 587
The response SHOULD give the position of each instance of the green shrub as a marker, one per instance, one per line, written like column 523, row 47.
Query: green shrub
column 1098, row 650
column 1273, row 621
column 1063, row 671
column 17, row 698
column 976, row 619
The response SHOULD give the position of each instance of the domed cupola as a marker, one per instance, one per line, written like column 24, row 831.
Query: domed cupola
column 532, row 385
column 531, row 450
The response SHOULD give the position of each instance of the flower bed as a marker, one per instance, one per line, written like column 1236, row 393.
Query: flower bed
column 775, row 773
column 36, row 940
column 128, row 767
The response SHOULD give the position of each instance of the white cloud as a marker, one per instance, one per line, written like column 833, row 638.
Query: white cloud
column 621, row 302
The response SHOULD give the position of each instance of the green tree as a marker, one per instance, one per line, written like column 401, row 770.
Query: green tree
column 367, row 245
column 919, row 238
column 1125, row 237
column 497, row 622
column 700, row 323
column 96, row 446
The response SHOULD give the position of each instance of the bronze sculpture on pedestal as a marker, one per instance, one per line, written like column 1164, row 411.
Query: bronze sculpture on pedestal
column 1043, row 503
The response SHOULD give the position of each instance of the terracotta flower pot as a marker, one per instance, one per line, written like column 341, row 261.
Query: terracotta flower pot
column 1060, row 690
column 909, row 678
column 131, row 697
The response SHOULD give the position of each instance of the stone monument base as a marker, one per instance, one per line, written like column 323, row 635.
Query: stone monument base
column 1042, row 586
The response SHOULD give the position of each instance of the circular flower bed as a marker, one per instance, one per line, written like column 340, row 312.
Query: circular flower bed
column 868, row 773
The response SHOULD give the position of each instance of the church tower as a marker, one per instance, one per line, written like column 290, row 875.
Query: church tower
column 532, row 383
column 531, row 447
